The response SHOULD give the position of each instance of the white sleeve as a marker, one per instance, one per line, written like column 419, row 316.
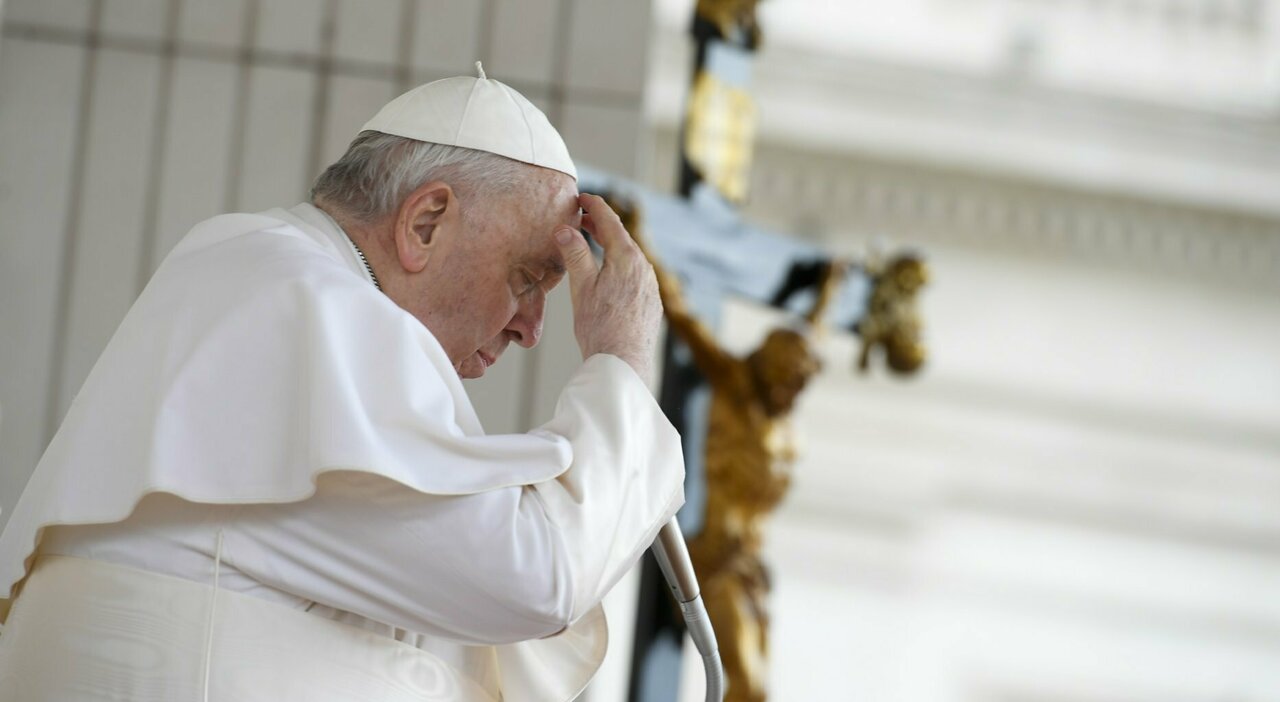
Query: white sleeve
column 626, row 481
column 494, row 567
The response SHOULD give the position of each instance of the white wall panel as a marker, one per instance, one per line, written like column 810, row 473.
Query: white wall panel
column 144, row 19
column 196, row 149
column 277, row 139
column 112, row 217
column 352, row 101
column 603, row 136
column 542, row 101
column 39, row 91
column 512, row 54
column 497, row 396
column 609, row 45
column 557, row 357
column 612, row 678
column 445, row 36
column 291, row 26
column 367, row 30
column 218, row 23
column 64, row 14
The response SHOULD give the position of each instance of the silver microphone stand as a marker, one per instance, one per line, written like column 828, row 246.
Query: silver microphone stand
column 673, row 559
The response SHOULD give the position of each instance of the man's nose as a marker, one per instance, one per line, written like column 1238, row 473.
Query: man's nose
column 526, row 326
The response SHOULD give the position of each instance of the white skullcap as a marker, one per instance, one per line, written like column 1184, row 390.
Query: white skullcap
column 476, row 113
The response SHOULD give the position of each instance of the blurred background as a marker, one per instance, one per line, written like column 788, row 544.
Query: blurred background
column 1077, row 499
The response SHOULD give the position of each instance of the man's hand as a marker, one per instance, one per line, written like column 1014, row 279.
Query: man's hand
column 615, row 304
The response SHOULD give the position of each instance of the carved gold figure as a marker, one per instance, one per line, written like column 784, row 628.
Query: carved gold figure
column 891, row 321
column 750, row 450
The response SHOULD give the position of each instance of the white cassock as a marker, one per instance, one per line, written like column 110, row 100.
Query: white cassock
column 272, row 486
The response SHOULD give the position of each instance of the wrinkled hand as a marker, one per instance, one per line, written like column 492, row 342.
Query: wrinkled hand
column 615, row 304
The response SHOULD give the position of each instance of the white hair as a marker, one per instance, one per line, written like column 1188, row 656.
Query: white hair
column 378, row 172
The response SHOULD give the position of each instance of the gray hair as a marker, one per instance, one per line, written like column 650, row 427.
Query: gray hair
column 378, row 172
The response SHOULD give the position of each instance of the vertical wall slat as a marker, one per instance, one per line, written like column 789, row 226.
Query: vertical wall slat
column 404, row 45
column 320, row 96
column 277, row 139
column 147, row 252
column 352, row 101
column 218, row 23
column 75, row 189
column 445, row 37
column 601, row 58
column 197, row 149
column 603, row 136
column 367, row 30
column 38, row 117
column 135, row 18
column 289, row 26
column 512, row 57
column 112, row 219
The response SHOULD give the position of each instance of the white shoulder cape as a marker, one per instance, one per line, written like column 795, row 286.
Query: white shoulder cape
column 255, row 360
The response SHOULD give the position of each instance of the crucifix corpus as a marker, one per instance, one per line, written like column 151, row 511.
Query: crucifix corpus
column 733, row 411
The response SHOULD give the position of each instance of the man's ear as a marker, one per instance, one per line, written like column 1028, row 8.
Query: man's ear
column 419, row 221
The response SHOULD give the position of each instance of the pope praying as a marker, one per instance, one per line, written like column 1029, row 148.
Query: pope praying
column 273, row 487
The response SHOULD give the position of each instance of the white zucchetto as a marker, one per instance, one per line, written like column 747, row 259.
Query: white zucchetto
column 476, row 113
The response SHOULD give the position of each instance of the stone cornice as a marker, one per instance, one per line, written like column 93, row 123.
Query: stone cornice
column 848, row 200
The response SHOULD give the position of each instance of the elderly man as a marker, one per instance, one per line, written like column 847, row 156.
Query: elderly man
column 273, row 487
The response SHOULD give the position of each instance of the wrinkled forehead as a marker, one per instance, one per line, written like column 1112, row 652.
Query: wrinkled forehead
column 552, row 203
column 557, row 194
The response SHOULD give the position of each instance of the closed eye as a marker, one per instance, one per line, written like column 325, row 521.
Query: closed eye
column 537, row 278
column 531, row 283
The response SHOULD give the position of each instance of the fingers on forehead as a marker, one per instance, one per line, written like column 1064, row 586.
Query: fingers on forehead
column 611, row 234
column 595, row 203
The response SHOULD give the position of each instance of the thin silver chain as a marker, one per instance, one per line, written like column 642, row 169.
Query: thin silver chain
column 365, row 261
